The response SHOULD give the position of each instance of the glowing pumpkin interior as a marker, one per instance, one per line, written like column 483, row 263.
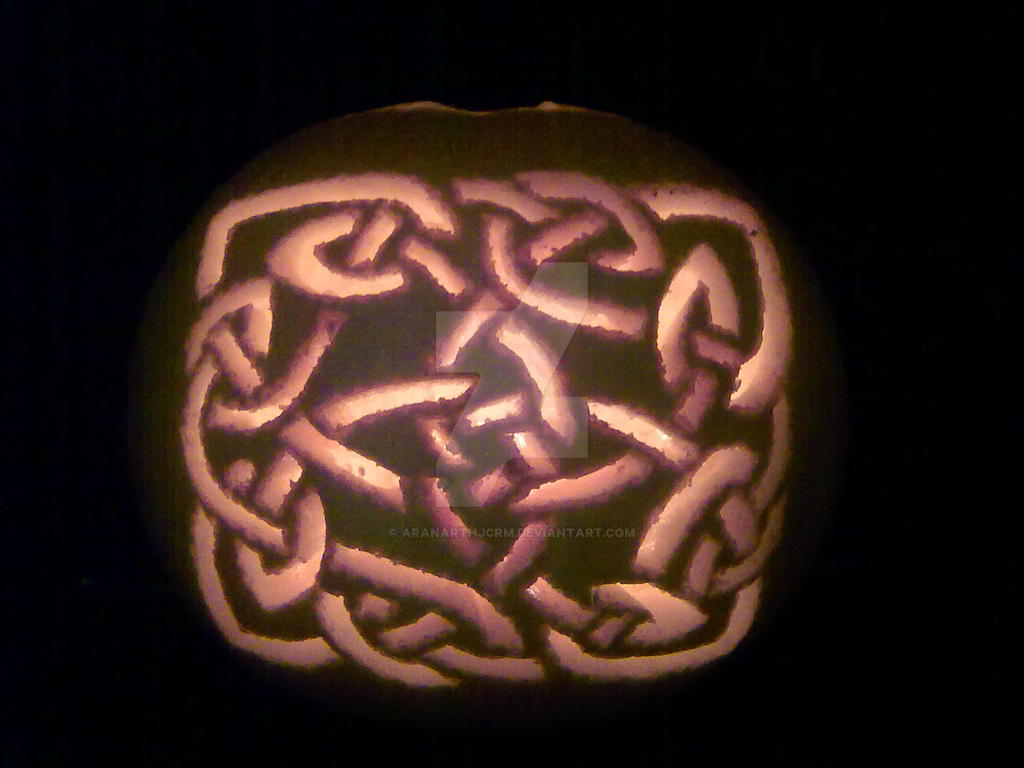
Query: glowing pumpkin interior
column 505, row 397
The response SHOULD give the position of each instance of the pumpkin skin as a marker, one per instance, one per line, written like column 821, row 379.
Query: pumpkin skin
column 512, row 398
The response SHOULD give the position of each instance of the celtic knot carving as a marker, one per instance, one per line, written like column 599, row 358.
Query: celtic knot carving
column 273, row 452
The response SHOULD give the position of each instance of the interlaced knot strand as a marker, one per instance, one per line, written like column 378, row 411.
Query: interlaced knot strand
column 703, row 544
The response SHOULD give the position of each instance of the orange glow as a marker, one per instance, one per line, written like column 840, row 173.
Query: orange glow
column 211, row 494
column 416, row 635
column 353, row 469
column 729, row 578
column 253, row 295
column 696, row 402
column 541, row 366
column 233, row 360
column 538, row 459
column 502, row 409
column 278, row 435
column 294, row 261
column 468, row 549
column 561, row 611
column 644, row 432
column 367, row 246
column 277, row 484
column 435, row 266
column 520, row 557
column 469, row 325
column 343, row 411
column 489, row 488
column 721, row 469
column 311, row 652
column 439, row 441
column 702, row 566
column 572, row 657
column 334, row 617
column 613, row 320
column 700, row 270
column 509, row 669
column 451, row 597
column 505, row 195
column 279, row 398
column 276, row 589
column 760, row 377
column 563, row 234
column 671, row 617
column 644, row 256
column 590, row 488
column 414, row 195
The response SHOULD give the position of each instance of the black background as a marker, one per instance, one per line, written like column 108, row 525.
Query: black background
column 876, row 136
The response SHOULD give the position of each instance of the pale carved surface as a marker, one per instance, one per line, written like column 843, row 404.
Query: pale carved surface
column 261, row 533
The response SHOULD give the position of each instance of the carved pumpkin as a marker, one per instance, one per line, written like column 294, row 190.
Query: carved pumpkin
column 511, row 396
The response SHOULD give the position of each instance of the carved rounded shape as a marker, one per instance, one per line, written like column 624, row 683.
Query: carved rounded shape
column 523, row 398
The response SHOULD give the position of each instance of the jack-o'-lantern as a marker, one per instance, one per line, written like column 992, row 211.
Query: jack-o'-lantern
column 517, row 397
